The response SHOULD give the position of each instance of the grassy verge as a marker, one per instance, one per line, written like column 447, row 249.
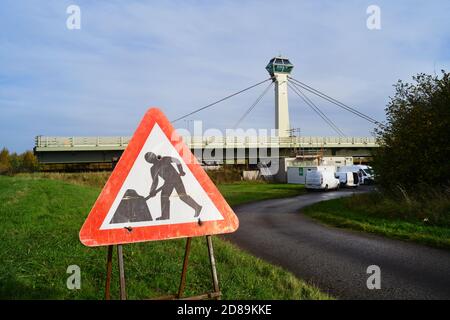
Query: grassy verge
column 235, row 193
column 425, row 222
column 39, row 240
column 90, row 179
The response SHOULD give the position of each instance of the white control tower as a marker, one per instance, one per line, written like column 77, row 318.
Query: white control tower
column 279, row 68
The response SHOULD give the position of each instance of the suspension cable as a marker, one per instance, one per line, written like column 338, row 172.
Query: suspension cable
column 316, row 109
column 252, row 106
column 216, row 102
column 335, row 127
column 334, row 101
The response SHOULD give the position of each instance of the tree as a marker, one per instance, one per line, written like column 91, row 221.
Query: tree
column 29, row 162
column 11, row 163
column 415, row 142
column 16, row 162
column 5, row 163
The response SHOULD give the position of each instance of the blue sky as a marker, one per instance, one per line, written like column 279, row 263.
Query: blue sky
column 179, row 55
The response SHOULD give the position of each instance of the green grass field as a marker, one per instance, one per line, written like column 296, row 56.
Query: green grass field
column 41, row 218
column 395, row 219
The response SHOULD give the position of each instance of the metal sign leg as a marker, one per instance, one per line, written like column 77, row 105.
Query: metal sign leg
column 184, row 270
column 108, row 273
column 213, row 266
column 216, row 294
column 123, row 294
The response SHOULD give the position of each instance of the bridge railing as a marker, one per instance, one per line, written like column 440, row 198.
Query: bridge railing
column 64, row 143
column 277, row 141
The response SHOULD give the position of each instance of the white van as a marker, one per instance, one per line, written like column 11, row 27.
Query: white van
column 348, row 179
column 365, row 173
column 321, row 180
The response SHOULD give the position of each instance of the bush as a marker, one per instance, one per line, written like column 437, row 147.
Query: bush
column 414, row 148
column 226, row 174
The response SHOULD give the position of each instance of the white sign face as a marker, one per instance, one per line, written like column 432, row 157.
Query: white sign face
column 159, row 190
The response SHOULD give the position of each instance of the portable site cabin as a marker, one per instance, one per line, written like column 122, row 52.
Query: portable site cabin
column 337, row 161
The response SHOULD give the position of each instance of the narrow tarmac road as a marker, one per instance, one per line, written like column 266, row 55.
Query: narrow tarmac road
column 336, row 260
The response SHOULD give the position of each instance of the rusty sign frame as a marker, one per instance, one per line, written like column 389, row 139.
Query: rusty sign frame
column 215, row 294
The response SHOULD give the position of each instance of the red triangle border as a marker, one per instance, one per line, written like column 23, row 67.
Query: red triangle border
column 90, row 233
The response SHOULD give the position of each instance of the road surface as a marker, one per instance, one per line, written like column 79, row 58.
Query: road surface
column 336, row 260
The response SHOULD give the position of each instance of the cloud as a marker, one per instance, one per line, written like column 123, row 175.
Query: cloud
column 183, row 54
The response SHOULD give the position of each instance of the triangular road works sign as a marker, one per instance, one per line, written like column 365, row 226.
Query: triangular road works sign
column 157, row 191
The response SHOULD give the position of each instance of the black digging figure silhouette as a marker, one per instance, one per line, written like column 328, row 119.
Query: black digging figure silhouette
column 162, row 167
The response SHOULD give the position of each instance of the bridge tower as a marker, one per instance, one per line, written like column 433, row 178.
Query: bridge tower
column 279, row 68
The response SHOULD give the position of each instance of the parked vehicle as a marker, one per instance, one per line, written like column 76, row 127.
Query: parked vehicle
column 348, row 179
column 297, row 175
column 367, row 174
column 321, row 180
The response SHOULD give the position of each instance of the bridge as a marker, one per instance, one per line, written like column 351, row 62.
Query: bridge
column 108, row 149
column 103, row 152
